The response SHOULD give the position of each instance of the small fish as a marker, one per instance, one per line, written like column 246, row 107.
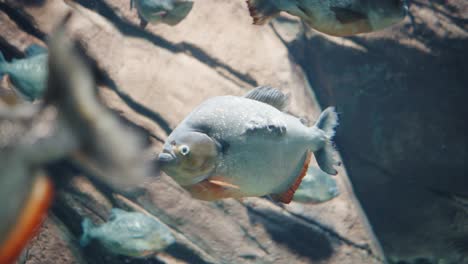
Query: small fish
column 316, row 187
column 27, row 75
column 129, row 233
column 233, row 147
column 333, row 17
column 169, row 12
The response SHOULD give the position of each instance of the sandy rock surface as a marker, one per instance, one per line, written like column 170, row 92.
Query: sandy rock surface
column 167, row 71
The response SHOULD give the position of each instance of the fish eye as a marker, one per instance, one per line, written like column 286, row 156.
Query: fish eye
column 184, row 150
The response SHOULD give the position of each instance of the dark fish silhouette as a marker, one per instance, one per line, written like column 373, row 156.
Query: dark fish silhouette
column 333, row 17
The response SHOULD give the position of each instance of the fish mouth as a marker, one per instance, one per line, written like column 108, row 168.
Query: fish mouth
column 166, row 157
column 162, row 14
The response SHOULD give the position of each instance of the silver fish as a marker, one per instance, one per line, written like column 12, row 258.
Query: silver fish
column 333, row 17
column 129, row 233
column 28, row 75
column 316, row 187
column 170, row 12
column 236, row 147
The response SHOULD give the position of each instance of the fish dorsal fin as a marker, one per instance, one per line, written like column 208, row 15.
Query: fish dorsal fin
column 269, row 95
column 35, row 49
column 287, row 196
column 115, row 212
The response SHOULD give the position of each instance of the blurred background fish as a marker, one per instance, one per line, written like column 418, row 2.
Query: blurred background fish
column 129, row 233
column 333, row 17
column 170, row 12
column 70, row 122
column 316, row 187
column 27, row 75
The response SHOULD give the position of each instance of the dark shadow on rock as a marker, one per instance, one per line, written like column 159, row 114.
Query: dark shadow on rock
column 9, row 51
column 103, row 78
column 130, row 29
column 26, row 23
column 34, row 3
column 300, row 238
column 184, row 253
column 23, row 20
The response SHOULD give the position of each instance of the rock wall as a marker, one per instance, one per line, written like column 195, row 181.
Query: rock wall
column 403, row 127
column 409, row 76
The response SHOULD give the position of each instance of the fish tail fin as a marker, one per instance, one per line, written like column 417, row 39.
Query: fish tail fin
column 262, row 11
column 327, row 122
column 87, row 227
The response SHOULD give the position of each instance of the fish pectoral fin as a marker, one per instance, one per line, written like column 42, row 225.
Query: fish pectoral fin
column 269, row 95
column 224, row 184
column 287, row 196
column 214, row 189
column 346, row 15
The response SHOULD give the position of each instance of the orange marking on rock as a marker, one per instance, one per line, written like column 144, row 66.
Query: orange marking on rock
column 287, row 196
column 29, row 220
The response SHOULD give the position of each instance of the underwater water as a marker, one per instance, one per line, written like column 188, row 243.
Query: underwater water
column 165, row 131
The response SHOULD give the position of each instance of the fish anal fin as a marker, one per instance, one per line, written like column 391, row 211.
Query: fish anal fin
column 287, row 196
column 261, row 11
column 269, row 95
